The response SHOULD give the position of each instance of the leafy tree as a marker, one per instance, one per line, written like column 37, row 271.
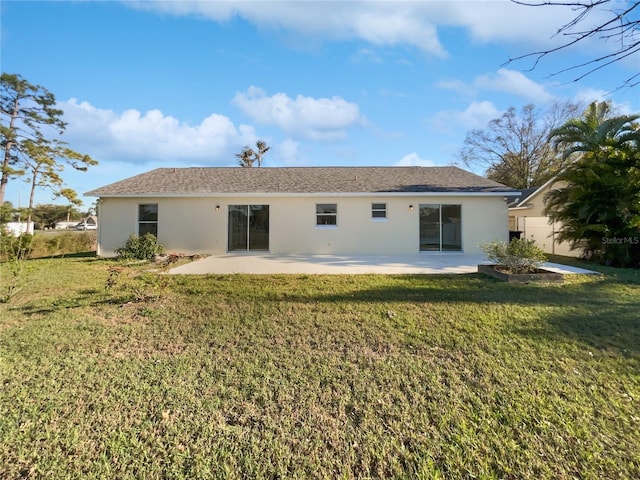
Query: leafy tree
column 621, row 28
column 514, row 149
column 598, row 203
column 31, row 124
column 42, row 164
column 49, row 214
column 6, row 212
column 248, row 156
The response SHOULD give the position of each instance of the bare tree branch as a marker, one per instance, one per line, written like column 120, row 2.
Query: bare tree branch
column 621, row 27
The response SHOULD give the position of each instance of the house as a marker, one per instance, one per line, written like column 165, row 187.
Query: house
column 64, row 225
column 305, row 210
column 527, row 216
column 89, row 223
column 16, row 229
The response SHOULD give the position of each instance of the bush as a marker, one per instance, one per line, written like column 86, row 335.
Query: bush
column 63, row 243
column 15, row 248
column 517, row 256
column 140, row 248
column 14, row 252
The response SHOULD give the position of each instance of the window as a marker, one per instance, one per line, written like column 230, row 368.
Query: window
column 440, row 228
column 327, row 214
column 378, row 211
column 148, row 219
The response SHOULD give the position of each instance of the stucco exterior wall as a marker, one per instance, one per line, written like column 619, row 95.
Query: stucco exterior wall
column 535, row 204
column 534, row 225
column 194, row 225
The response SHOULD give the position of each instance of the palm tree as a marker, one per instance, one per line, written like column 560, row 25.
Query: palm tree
column 248, row 156
column 262, row 149
column 598, row 203
column 596, row 130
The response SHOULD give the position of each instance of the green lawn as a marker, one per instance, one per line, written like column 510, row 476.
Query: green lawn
column 279, row 376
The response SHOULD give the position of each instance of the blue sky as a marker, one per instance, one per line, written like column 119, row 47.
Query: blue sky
column 182, row 83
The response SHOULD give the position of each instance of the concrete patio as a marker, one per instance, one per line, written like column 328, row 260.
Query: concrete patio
column 344, row 264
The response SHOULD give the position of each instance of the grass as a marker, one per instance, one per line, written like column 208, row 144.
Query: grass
column 240, row 376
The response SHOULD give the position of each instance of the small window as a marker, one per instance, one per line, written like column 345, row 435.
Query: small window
column 327, row 214
column 148, row 219
column 378, row 211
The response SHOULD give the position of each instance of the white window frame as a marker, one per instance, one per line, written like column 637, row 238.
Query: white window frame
column 148, row 222
column 326, row 214
column 375, row 208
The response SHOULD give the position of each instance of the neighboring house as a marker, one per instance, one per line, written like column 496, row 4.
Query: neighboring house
column 526, row 215
column 305, row 210
column 17, row 228
column 89, row 223
column 65, row 225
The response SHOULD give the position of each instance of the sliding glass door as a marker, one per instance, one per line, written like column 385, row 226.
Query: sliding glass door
column 429, row 228
column 248, row 228
column 440, row 228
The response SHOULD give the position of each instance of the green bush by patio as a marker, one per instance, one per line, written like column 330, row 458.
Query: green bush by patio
column 520, row 255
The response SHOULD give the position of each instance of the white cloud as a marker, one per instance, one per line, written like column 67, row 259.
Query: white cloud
column 591, row 95
column 516, row 83
column 586, row 96
column 389, row 23
column 324, row 119
column 476, row 115
column 499, row 21
column 414, row 160
column 288, row 152
column 379, row 23
column 366, row 55
column 138, row 137
column 457, row 86
column 504, row 81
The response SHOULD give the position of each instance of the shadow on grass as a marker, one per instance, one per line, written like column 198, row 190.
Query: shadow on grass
column 91, row 297
column 616, row 328
column 601, row 312
column 89, row 254
column 598, row 311
column 473, row 288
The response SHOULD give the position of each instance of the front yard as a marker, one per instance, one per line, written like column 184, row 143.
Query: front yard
column 110, row 372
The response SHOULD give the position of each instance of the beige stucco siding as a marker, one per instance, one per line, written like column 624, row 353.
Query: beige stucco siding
column 533, row 224
column 187, row 225
column 535, row 204
column 193, row 225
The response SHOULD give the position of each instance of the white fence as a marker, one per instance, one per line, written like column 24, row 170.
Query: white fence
column 18, row 228
column 538, row 229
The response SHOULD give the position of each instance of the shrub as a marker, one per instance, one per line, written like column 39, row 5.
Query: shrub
column 517, row 256
column 15, row 248
column 140, row 248
column 63, row 243
column 14, row 251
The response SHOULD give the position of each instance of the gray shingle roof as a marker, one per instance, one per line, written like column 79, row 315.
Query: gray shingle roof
column 515, row 200
column 298, row 180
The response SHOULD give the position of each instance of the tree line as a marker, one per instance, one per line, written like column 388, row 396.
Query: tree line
column 44, row 215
